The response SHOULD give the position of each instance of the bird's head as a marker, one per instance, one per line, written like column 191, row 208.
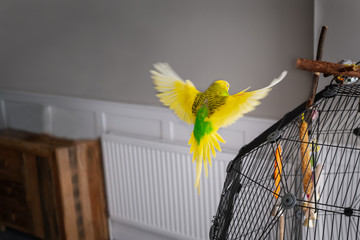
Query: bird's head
column 222, row 87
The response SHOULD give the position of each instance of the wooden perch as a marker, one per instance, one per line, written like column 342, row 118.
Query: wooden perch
column 329, row 68
column 319, row 54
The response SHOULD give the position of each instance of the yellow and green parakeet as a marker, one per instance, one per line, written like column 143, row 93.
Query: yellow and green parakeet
column 208, row 111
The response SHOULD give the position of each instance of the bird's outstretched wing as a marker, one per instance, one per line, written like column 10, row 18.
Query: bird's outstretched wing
column 177, row 94
column 237, row 105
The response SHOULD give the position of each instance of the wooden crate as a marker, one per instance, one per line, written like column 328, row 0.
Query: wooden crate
column 52, row 188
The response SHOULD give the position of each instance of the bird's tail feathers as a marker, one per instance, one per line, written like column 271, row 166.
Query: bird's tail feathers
column 202, row 153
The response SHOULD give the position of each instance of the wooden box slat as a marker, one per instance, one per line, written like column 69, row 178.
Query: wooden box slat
column 64, row 185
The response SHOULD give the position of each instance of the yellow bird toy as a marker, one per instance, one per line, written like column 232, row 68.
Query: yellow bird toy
column 208, row 111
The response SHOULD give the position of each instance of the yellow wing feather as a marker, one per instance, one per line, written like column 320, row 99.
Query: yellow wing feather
column 177, row 94
column 243, row 102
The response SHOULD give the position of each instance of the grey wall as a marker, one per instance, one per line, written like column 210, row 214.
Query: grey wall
column 105, row 49
column 343, row 35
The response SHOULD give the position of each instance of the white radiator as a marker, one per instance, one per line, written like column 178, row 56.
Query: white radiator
column 151, row 184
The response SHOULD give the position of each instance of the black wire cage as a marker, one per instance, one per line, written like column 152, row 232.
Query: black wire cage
column 300, row 179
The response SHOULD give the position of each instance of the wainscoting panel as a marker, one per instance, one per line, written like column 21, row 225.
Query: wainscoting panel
column 132, row 125
column 148, row 169
column 73, row 123
column 26, row 116
column 86, row 118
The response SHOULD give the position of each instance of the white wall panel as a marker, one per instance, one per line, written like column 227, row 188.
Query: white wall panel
column 133, row 125
column 73, row 123
column 234, row 138
column 24, row 116
column 84, row 118
column 181, row 131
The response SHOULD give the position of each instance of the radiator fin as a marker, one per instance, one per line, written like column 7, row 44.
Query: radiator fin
column 153, row 184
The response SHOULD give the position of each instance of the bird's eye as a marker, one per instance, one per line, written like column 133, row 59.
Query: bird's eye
column 227, row 85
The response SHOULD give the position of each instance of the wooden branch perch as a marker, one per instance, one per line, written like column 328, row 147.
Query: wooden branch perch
column 328, row 68
column 319, row 53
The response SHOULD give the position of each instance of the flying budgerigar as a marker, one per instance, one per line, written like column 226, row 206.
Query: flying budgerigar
column 208, row 111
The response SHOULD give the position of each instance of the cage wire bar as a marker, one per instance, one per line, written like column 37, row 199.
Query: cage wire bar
column 248, row 208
